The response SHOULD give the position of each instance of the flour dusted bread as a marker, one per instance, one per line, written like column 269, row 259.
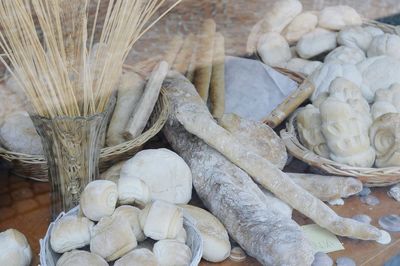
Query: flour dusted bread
column 171, row 252
column 18, row 134
column 225, row 188
column 112, row 238
column 196, row 119
column 167, row 227
column 304, row 66
column 280, row 15
column 275, row 20
column 14, row 249
column 346, row 55
column 386, row 101
column 80, row 257
column 99, row 199
column 14, row 87
column 338, row 17
column 130, row 89
column 385, row 44
column 385, row 138
column 256, row 136
column 204, row 58
column 165, row 174
column 216, row 245
column 309, row 126
column 345, row 124
column 183, row 58
column 273, row 49
column 112, row 173
column 328, row 188
column 300, row 25
column 316, row 42
column 374, row 31
column 144, row 107
column 217, row 82
column 378, row 73
column 130, row 214
column 347, row 91
column 138, row 257
column 182, row 236
column 70, row 232
column 323, row 77
column 11, row 99
column 346, row 134
column 356, row 37
column 133, row 190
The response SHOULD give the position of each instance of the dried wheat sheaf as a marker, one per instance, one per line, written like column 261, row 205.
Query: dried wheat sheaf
column 50, row 49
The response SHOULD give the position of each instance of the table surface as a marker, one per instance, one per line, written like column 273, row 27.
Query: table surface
column 24, row 205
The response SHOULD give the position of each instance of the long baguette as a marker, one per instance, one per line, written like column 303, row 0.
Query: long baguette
column 184, row 57
column 217, row 84
column 204, row 57
column 144, row 108
column 264, row 231
column 193, row 114
column 174, row 47
column 129, row 92
column 327, row 188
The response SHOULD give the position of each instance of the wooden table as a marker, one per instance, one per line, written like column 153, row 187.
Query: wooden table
column 24, row 205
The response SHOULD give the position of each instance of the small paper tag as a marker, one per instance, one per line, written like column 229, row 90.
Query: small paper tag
column 321, row 239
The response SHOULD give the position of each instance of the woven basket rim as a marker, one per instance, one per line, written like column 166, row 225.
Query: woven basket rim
column 370, row 176
column 108, row 150
column 383, row 26
column 29, row 162
column 47, row 258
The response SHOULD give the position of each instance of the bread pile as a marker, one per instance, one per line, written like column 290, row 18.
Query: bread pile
column 137, row 218
column 356, row 72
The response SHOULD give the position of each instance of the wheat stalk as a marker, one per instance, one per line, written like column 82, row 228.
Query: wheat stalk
column 63, row 73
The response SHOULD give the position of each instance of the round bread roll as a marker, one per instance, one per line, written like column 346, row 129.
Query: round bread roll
column 10, row 102
column 182, row 236
column 14, row 249
column 166, row 175
column 316, row 42
column 70, row 232
column 133, row 191
column 112, row 238
column 160, row 220
column 138, row 257
column 273, row 49
column 98, row 199
column 80, row 257
column 338, row 17
column 171, row 252
column 300, row 25
column 131, row 214
column 18, row 134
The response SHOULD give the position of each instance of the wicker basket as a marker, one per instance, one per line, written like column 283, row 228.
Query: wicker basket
column 49, row 258
column 294, row 100
column 306, row 88
column 35, row 166
column 372, row 177
column 383, row 26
